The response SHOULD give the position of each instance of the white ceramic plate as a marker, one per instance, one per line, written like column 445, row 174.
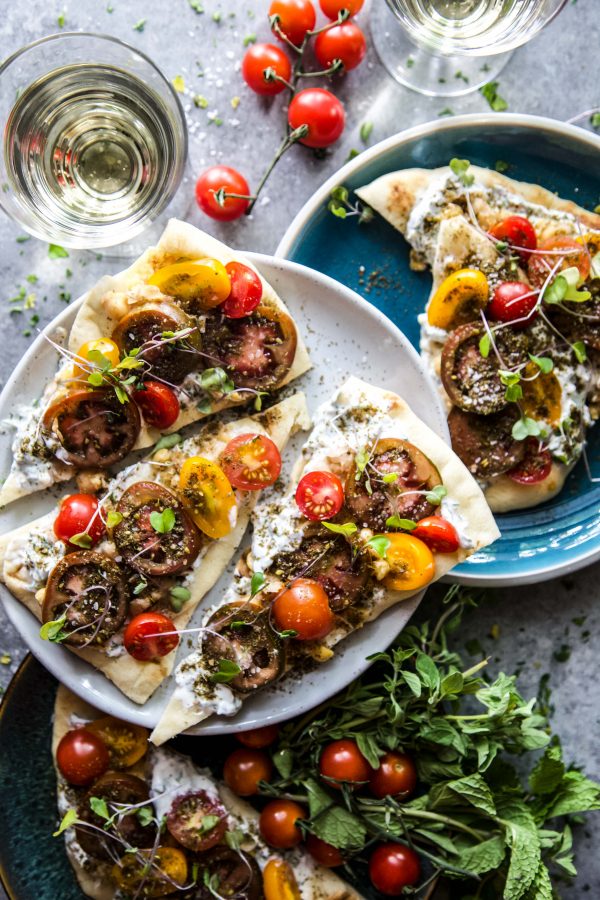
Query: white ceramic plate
column 345, row 335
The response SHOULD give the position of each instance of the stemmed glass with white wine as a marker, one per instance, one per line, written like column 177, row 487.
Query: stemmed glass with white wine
column 95, row 141
column 448, row 47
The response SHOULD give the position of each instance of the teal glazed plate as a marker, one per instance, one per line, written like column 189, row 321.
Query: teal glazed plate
column 559, row 536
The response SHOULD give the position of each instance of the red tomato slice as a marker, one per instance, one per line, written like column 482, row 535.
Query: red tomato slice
column 535, row 467
column 150, row 636
column 518, row 232
column 439, row 534
column 74, row 517
column 320, row 495
column 246, row 291
column 158, row 404
column 564, row 250
column 251, row 462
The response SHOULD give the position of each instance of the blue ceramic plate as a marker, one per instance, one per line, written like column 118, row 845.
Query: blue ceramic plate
column 564, row 534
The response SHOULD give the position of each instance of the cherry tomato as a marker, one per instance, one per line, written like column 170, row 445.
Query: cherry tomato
column 257, row 738
column 259, row 58
column 411, row 563
column 150, row 636
column 279, row 881
column 277, row 823
column 392, row 867
column 573, row 254
column 294, row 18
column 75, row 514
column 511, row 301
column 323, row 853
column 82, row 756
column 345, row 42
column 158, row 404
column 232, row 182
column 439, row 534
column 304, row 608
column 126, row 743
column 251, row 462
column 246, row 291
column 320, row 495
column 105, row 346
column 535, row 467
column 332, row 8
column 342, row 761
column 322, row 112
column 207, row 494
column 396, row 776
column 518, row 232
column 243, row 770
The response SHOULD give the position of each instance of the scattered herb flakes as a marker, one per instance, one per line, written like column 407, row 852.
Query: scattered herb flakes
column 55, row 251
column 446, row 111
column 23, row 238
column 495, row 632
column 196, row 6
column 5, row 659
column 140, row 25
column 249, row 39
column 365, row 131
column 501, row 166
column 32, row 279
column 410, row 62
column 579, row 620
column 462, row 76
column 235, row 102
column 61, row 19
column 200, row 101
column 352, row 154
column 64, row 296
column 563, row 654
column 490, row 92
column 179, row 84
column 110, row 8
column 216, row 17
column 214, row 119
column 595, row 120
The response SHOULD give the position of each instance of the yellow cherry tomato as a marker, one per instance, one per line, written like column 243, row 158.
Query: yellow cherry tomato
column 279, row 882
column 198, row 284
column 410, row 561
column 458, row 299
column 207, row 493
column 542, row 396
column 130, row 872
column 126, row 744
column 102, row 345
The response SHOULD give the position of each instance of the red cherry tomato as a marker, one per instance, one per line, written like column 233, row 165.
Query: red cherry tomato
column 232, row 182
column 304, row 608
column 393, row 867
column 246, row 291
column 260, row 57
column 75, row 514
column 295, row 18
column 150, row 636
column 534, row 467
column 396, row 776
column 323, row 853
column 277, row 823
column 342, row 761
column 511, row 301
column 518, row 232
column 320, row 495
column 439, row 534
column 158, row 404
column 322, row 112
column 345, row 42
column 332, row 8
column 251, row 462
column 257, row 738
column 244, row 769
column 564, row 250
column 82, row 756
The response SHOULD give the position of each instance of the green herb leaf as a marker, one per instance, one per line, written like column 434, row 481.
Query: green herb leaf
column 460, row 168
column 207, row 823
column 166, row 442
column 379, row 543
column 99, row 806
column 226, row 672
column 113, row 518
column 81, row 540
column 579, row 350
column 257, row 583
column 490, row 92
column 330, row 822
column 55, row 251
column 548, row 772
column 471, row 789
column 339, row 211
column 526, row 427
column 140, row 25
column 179, row 595
column 287, row 633
column 436, row 495
column 365, row 131
column 347, row 529
column 556, row 290
column 398, row 522
column 69, row 819
column 216, row 381
column 145, row 815
column 544, row 363
column 140, row 588
column 52, row 631
column 164, row 521
column 485, row 345
column 484, row 857
column 283, row 760
column 390, row 478
column 234, row 839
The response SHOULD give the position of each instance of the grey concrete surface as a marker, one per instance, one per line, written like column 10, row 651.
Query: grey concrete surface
column 557, row 75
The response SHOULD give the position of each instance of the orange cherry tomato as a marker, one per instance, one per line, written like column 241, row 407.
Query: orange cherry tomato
column 257, row 738
column 251, row 462
column 244, row 769
column 320, row 495
column 150, row 636
column 74, row 517
column 342, row 761
column 279, row 881
column 411, row 563
column 304, row 608
column 439, row 534
column 278, row 826
column 323, row 853
column 294, row 18
column 82, row 756
column 105, row 346
column 565, row 251
column 395, row 777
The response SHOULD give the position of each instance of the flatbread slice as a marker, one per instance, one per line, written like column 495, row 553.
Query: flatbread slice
column 169, row 773
column 35, row 465
column 358, row 420
column 28, row 555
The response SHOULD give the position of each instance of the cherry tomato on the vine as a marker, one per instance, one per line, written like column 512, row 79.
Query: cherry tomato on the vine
column 266, row 57
column 218, row 178
column 323, row 853
column 158, row 404
column 342, row 761
column 246, row 291
column 82, row 756
column 319, row 495
column 439, row 534
column 392, row 867
column 332, row 8
column 304, row 608
column 322, row 112
column 294, row 18
column 396, row 776
column 257, row 738
column 251, row 462
column 518, row 232
column 150, row 636
column 277, row 823
column 563, row 252
column 74, row 517
column 512, row 301
column 243, row 770
column 536, row 465
column 345, row 42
